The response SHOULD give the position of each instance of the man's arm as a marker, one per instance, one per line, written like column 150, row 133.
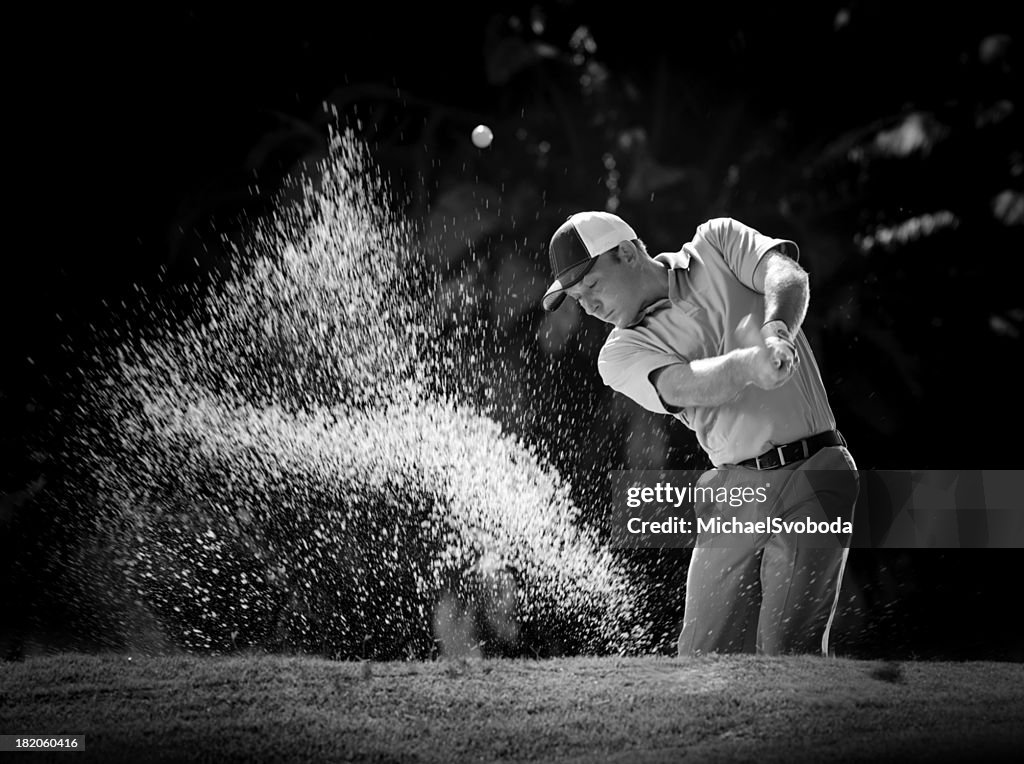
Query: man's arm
column 717, row 380
column 786, row 295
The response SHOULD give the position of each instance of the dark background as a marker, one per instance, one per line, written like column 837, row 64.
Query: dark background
column 150, row 134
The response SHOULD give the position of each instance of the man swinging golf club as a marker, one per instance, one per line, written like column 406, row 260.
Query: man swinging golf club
column 711, row 335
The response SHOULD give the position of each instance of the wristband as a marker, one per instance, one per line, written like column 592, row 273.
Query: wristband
column 777, row 328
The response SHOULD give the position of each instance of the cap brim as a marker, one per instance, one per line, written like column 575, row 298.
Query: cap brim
column 556, row 292
column 554, row 296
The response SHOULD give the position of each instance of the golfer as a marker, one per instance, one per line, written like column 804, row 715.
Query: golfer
column 711, row 335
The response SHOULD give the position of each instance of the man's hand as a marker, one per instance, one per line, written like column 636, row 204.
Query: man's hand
column 779, row 341
column 762, row 371
column 782, row 354
column 768, row 363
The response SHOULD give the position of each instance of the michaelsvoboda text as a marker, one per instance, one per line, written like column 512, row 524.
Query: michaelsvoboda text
column 717, row 525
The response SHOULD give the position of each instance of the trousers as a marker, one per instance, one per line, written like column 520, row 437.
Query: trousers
column 777, row 592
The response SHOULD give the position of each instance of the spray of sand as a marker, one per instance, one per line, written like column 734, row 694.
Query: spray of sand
column 278, row 469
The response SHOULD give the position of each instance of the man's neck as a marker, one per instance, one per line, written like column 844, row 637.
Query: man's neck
column 655, row 283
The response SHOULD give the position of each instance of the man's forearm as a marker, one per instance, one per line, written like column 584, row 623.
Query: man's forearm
column 706, row 381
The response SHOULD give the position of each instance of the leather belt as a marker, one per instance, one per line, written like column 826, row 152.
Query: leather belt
column 779, row 456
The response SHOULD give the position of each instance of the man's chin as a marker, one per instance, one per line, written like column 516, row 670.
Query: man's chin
column 620, row 322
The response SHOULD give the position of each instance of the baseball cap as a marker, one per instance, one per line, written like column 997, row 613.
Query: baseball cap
column 575, row 246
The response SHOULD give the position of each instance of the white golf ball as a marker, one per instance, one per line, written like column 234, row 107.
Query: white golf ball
column 482, row 136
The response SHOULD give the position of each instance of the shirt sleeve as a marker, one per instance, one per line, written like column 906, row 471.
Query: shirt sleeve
column 742, row 247
column 625, row 364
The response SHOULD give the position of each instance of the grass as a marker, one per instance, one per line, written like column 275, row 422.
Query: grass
column 729, row 708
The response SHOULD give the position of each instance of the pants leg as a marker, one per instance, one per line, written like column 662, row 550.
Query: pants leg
column 800, row 587
column 723, row 591
column 723, row 585
column 801, row 574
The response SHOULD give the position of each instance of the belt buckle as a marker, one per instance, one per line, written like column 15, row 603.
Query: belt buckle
column 782, row 459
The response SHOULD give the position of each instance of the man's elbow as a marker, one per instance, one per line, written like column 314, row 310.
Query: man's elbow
column 800, row 273
column 668, row 384
column 785, row 275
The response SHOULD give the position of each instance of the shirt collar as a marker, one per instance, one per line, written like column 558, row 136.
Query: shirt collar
column 672, row 261
column 678, row 264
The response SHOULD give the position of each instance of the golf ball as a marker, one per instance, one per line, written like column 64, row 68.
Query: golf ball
column 482, row 136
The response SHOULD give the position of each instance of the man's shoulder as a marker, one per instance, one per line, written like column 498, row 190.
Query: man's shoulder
column 633, row 338
column 714, row 225
column 717, row 221
column 621, row 340
column 615, row 336
column 616, row 352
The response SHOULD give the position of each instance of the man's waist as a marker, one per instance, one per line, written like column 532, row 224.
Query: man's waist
column 795, row 451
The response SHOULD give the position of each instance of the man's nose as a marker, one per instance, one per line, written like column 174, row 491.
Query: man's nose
column 590, row 305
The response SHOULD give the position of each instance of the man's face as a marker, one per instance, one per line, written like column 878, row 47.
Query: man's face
column 608, row 291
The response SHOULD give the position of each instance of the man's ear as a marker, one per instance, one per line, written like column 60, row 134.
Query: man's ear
column 627, row 252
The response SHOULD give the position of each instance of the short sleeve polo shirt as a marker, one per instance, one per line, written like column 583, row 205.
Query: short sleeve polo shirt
column 711, row 287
